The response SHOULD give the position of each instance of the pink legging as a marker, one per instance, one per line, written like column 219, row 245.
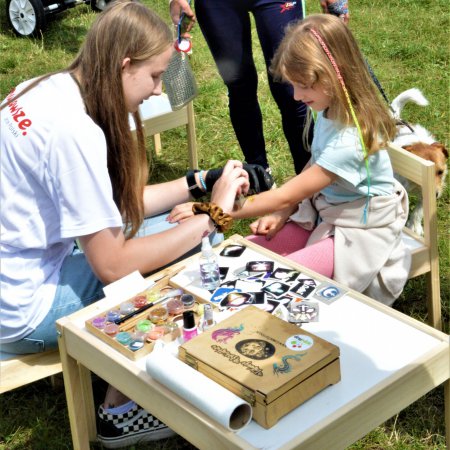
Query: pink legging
column 290, row 242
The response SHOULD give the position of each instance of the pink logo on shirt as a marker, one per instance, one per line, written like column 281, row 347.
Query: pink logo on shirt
column 18, row 115
column 287, row 6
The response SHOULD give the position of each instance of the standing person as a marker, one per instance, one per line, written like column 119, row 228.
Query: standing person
column 71, row 170
column 226, row 27
column 349, row 181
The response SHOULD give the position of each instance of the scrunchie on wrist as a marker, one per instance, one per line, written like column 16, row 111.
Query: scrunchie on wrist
column 222, row 221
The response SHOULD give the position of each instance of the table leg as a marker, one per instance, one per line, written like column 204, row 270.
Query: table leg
column 447, row 411
column 75, row 382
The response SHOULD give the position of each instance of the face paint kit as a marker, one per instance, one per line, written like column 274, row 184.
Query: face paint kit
column 272, row 364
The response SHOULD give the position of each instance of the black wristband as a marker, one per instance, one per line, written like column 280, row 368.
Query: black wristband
column 194, row 190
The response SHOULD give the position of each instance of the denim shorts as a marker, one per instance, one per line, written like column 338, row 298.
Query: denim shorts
column 79, row 287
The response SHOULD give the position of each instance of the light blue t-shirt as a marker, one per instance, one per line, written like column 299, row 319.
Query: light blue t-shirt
column 338, row 149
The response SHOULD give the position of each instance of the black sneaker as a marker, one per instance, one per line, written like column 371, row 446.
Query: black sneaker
column 132, row 427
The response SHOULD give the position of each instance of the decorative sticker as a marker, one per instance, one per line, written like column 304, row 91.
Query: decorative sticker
column 285, row 366
column 223, row 335
column 299, row 342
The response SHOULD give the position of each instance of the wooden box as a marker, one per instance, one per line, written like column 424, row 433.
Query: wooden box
column 272, row 364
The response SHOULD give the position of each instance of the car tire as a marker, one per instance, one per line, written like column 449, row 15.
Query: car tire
column 26, row 17
column 99, row 5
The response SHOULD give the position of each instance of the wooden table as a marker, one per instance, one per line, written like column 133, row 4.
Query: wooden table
column 388, row 361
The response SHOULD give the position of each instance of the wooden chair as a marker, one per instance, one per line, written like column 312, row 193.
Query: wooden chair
column 20, row 370
column 424, row 249
column 157, row 117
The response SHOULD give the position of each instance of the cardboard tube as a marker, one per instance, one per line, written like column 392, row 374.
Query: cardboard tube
column 208, row 396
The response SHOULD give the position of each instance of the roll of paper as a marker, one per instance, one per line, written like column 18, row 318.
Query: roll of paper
column 208, row 396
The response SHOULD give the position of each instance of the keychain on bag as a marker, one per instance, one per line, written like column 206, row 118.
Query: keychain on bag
column 179, row 79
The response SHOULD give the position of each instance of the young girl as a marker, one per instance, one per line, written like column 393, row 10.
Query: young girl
column 71, row 170
column 349, row 181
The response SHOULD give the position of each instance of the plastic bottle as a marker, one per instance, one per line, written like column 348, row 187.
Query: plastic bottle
column 190, row 329
column 209, row 268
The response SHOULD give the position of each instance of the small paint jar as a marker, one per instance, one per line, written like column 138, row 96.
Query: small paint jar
column 144, row 326
column 126, row 308
column 139, row 336
column 111, row 329
column 152, row 296
column 99, row 322
column 113, row 315
column 172, row 331
column 134, row 346
column 175, row 307
column 123, row 337
column 158, row 315
column 156, row 333
column 188, row 301
column 139, row 301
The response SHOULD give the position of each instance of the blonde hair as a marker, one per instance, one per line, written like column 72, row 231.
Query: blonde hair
column 300, row 58
column 126, row 28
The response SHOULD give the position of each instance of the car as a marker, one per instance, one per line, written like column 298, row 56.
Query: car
column 29, row 17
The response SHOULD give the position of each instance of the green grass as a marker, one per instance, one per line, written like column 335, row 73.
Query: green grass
column 406, row 43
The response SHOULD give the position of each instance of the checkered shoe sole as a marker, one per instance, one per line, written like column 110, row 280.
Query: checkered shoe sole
column 132, row 427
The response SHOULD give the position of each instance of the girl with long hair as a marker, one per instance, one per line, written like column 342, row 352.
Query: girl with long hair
column 350, row 209
column 72, row 171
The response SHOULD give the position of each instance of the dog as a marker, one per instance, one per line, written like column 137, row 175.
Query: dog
column 419, row 141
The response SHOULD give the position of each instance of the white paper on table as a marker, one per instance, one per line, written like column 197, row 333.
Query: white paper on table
column 127, row 286
column 214, row 400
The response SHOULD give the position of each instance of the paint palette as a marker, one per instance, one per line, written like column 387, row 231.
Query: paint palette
column 134, row 325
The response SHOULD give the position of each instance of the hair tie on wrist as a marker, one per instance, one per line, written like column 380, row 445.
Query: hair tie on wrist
column 202, row 181
column 222, row 221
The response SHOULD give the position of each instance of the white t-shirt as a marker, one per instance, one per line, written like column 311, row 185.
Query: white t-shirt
column 55, row 187
column 339, row 151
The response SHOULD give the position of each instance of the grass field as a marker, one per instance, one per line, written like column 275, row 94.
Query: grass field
column 407, row 45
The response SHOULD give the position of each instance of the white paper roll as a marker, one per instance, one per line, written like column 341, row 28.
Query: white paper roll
column 208, row 396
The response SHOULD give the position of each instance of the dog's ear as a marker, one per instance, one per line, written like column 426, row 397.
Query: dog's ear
column 408, row 148
column 440, row 147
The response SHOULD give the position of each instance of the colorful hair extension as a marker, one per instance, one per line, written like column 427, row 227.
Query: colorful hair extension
column 352, row 112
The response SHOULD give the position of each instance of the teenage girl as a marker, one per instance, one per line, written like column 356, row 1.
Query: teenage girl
column 349, row 181
column 71, row 170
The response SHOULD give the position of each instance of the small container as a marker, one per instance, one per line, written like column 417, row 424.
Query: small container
column 152, row 296
column 134, row 346
column 208, row 317
column 144, row 325
column 175, row 307
column 123, row 337
column 113, row 315
column 99, row 322
column 158, row 315
column 188, row 301
column 156, row 333
column 126, row 308
column 189, row 327
column 172, row 331
column 111, row 329
column 138, row 336
column 139, row 301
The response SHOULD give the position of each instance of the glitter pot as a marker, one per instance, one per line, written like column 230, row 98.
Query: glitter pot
column 139, row 301
column 188, row 301
column 123, row 337
column 113, row 315
column 158, row 315
column 156, row 333
column 111, row 329
column 99, row 322
column 175, row 307
column 126, row 308
column 144, row 325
